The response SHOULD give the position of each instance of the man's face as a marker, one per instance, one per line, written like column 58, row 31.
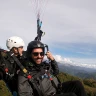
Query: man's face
column 18, row 51
column 37, row 55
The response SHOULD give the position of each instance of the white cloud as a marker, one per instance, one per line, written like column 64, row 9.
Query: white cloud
column 62, row 59
column 61, row 18
column 76, row 62
column 64, row 21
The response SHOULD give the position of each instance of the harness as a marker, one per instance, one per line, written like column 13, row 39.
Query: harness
column 5, row 64
column 31, row 78
column 45, row 73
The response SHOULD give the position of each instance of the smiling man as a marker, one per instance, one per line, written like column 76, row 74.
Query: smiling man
column 44, row 81
column 37, row 55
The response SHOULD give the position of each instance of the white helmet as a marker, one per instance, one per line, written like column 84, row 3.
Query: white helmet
column 14, row 41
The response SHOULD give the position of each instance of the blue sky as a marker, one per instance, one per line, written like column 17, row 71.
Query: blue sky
column 70, row 26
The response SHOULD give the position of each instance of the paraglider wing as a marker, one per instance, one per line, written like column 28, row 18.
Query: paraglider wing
column 39, row 8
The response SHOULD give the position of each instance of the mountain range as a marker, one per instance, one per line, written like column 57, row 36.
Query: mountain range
column 85, row 71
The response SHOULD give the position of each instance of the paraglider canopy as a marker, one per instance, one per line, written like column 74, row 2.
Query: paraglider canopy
column 39, row 8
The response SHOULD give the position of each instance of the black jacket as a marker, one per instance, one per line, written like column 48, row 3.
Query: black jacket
column 42, row 81
column 10, row 76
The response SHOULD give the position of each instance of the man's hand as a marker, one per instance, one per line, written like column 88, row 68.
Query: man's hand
column 20, row 51
column 49, row 56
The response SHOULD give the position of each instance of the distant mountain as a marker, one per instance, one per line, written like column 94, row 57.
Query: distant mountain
column 85, row 71
column 79, row 71
column 86, row 75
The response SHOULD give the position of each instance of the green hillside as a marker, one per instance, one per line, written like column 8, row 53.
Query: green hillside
column 89, row 84
column 4, row 91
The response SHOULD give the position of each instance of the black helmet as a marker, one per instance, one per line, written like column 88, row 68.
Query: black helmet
column 34, row 44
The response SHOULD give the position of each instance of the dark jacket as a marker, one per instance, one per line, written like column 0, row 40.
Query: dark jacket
column 42, row 81
column 9, row 70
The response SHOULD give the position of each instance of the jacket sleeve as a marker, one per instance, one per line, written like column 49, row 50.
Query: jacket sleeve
column 55, row 67
column 1, row 74
column 24, row 88
column 2, row 71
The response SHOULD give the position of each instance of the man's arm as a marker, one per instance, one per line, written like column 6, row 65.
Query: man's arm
column 54, row 64
column 55, row 67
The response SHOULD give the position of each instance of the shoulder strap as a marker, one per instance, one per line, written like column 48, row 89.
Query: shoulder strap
column 52, row 81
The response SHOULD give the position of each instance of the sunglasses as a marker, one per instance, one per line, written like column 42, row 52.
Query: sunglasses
column 37, row 53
